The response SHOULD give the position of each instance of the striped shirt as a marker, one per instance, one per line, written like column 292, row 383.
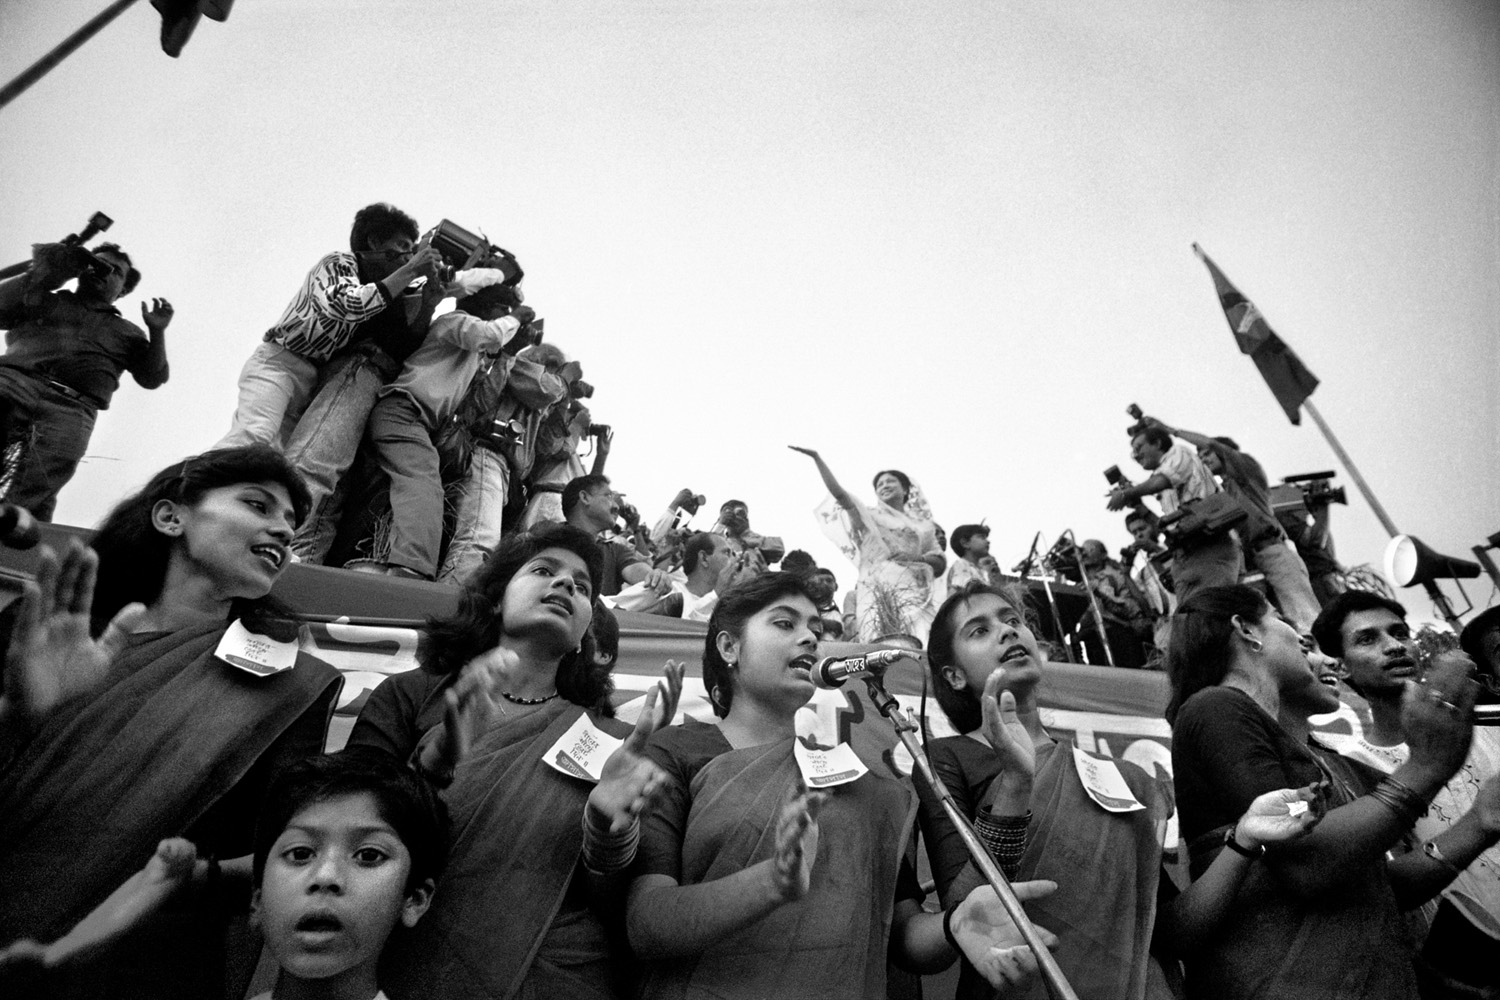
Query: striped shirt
column 327, row 308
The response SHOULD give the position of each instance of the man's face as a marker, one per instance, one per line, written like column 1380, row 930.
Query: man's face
column 720, row 556
column 106, row 288
column 735, row 517
column 599, row 507
column 1145, row 454
column 1094, row 555
column 976, row 546
column 1379, row 652
column 823, row 585
column 1143, row 534
column 1210, row 458
column 384, row 257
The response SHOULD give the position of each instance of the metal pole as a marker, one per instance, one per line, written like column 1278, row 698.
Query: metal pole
column 1057, row 983
column 1348, row 463
column 45, row 65
column 1109, row 654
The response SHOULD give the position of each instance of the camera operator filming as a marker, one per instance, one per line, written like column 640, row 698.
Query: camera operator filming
column 62, row 364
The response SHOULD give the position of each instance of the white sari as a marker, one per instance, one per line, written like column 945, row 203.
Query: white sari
column 891, row 598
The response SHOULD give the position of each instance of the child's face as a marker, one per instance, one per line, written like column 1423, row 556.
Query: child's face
column 334, row 888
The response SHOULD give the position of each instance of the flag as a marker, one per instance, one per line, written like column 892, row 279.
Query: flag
column 1290, row 381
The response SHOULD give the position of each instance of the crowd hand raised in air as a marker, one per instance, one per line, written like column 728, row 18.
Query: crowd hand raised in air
column 1437, row 715
column 629, row 781
column 170, row 868
column 796, row 842
column 158, row 315
column 52, row 657
column 470, row 707
column 991, row 941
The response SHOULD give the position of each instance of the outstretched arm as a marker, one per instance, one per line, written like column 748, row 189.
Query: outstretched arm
column 841, row 495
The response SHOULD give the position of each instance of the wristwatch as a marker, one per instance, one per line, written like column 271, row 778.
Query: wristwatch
column 1258, row 851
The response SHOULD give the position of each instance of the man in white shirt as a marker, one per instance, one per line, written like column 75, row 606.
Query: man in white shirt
column 1178, row 476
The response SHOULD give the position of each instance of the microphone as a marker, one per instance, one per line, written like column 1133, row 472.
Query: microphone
column 833, row 671
column 18, row 529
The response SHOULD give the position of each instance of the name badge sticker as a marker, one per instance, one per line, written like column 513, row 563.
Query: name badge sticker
column 1104, row 783
column 255, row 654
column 582, row 750
column 827, row 768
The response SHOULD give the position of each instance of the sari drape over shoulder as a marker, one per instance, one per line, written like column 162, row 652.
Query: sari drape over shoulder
column 891, row 598
column 502, row 924
column 169, row 733
column 829, row 944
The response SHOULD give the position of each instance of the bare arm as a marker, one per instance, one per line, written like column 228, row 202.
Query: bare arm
column 1417, row 876
column 840, row 495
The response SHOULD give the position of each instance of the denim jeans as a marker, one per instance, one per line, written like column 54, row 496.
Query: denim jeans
column 53, row 429
column 403, row 447
column 476, row 521
column 326, row 441
column 275, row 387
column 1286, row 574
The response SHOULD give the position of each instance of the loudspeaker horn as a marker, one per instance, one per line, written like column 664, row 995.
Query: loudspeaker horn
column 1410, row 563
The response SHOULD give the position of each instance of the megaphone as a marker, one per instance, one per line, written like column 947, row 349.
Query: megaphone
column 1410, row 563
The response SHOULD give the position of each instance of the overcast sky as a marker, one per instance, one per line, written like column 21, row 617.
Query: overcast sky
column 950, row 238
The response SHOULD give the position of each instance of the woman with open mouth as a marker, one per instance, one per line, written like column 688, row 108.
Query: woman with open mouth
column 751, row 885
column 139, row 727
column 536, row 854
column 1119, row 928
column 1320, row 918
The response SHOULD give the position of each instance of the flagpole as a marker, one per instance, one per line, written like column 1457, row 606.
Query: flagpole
column 1349, row 466
column 65, row 48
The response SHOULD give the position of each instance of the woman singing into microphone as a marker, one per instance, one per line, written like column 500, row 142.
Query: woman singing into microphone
column 752, row 885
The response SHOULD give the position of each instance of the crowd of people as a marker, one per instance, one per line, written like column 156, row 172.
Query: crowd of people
column 167, row 804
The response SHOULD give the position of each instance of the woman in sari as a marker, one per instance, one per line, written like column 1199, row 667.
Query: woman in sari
column 151, row 731
column 1114, row 911
column 750, row 885
column 537, row 855
column 894, row 546
column 1319, row 918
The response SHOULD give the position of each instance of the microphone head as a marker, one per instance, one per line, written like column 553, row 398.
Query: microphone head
column 822, row 676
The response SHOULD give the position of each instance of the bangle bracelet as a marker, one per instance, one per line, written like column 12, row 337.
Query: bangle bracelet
column 1400, row 799
column 948, row 926
column 1258, row 851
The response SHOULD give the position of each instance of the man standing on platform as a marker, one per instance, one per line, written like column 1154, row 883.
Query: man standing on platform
column 591, row 504
column 754, row 551
column 64, row 355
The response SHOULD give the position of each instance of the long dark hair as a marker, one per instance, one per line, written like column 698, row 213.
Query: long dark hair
column 449, row 643
column 961, row 707
column 736, row 607
column 1199, row 651
column 133, row 555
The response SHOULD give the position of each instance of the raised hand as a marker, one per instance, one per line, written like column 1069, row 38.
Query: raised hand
column 670, row 687
column 470, row 707
column 796, row 842
column 628, row 781
column 1007, row 736
column 1437, row 713
column 991, row 941
column 1270, row 819
column 158, row 316
column 52, row 657
column 809, row 452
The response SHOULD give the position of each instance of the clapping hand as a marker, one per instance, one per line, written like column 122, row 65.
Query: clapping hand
column 629, row 781
column 992, row 942
column 52, row 656
column 796, row 842
column 470, row 707
column 1272, row 820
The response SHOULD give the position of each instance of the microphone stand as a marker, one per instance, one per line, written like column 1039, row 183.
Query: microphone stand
column 1057, row 983
column 1109, row 654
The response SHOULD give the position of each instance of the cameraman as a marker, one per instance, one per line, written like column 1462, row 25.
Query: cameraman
column 752, row 551
column 558, row 463
column 501, row 414
column 1264, row 541
column 1178, row 477
column 64, row 355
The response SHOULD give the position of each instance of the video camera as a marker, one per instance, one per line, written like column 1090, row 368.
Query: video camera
column 79, row 255
column 458, row 247
column 1200, row 521
column 1297, row 496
